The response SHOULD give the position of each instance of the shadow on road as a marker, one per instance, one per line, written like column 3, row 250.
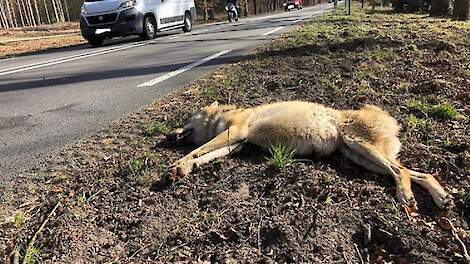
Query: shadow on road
column 350, row 45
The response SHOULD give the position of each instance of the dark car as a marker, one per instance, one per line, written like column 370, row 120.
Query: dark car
column 291, row 4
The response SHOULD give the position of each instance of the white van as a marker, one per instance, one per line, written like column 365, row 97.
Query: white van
column 102, row 19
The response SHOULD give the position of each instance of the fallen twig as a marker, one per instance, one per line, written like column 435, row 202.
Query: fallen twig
column 139, row 250
column 345, row 258
column 259, row 233
column 16, row 256
column 33, row 239
column 456, row 236
column 359, row 253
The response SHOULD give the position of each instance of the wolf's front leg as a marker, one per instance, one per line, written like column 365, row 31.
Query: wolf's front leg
column 184, row 167
column 222, row 145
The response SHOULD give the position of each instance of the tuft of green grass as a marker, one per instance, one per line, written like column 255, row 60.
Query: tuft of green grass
column 82, row 199
column 146, row 178
column 137, row 165
column 364, row 89
column 31, row 255
column 19, row 219
column 210, row 93
column 281, row 156
column 332, row 85
column 404, row 86
column 157, row 127
column 328, row 179
column 329, row 200
column 440, row 110
column 419, row 106
column 393, row 209
column 414, row 122
column 444, row 111
column 385, row 54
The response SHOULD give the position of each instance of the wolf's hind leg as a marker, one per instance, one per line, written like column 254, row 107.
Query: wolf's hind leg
column 378, row 162
column 430, row 184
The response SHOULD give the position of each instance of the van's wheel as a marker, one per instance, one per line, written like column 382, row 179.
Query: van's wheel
column 188, row 23
column 150, row 28
column 95, row 41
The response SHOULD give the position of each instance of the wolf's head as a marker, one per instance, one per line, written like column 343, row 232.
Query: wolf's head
column 203, row 126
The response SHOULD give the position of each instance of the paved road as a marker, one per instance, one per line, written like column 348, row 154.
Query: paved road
column 50, row 99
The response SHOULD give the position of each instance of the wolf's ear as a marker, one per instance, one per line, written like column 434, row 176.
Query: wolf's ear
column 214, row 104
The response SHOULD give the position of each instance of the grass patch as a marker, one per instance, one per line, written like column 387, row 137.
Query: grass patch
column 19, row 219
column 281, row 156
column 32, row 255
column 440, row 110
column 444, row 111
column 157, row 127
column 414, row 122
column 137, row 165
column 328, row 200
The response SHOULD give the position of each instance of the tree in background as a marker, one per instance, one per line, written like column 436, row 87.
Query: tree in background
column 440, row 8
column 461, row 10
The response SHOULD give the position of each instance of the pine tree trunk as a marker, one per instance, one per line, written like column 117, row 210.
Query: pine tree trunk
column 47, row 12
column 61, row 11
column 38, row 15
column 31, row 13
column 246, row 8
column 11, row 12
column 3, row 16
column 10, row 17
column 24, row 14
column 461, row 10
column 19, row 11
column 54, row 6
column 206, row 12
column 67, row 10
column 255, row 7
column 439, row 8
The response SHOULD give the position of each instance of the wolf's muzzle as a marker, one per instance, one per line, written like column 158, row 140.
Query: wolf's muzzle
column 179, row 135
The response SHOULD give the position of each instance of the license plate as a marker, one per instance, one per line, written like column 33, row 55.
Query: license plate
column 102, row 30
column 290, row 6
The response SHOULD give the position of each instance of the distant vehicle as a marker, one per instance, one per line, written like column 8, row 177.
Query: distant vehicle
column 101, row 19
column 291, row 4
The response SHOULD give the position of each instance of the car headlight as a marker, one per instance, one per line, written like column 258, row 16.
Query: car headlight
column 127, row 4
column 83, row 10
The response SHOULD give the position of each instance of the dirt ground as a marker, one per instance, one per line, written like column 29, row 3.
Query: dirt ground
column 113, row 205
column 66, row 34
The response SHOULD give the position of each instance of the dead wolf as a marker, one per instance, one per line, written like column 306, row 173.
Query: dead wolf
column 368, row 136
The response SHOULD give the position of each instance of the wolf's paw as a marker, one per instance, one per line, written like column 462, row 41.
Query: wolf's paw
column 444, row 201
column 407, row 200
column 181, row 169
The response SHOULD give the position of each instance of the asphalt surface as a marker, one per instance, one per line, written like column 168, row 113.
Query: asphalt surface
column 52, row 99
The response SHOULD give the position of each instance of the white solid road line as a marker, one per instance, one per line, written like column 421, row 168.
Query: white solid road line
column 272, row 31
column 67, row 59
column 181, row 70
